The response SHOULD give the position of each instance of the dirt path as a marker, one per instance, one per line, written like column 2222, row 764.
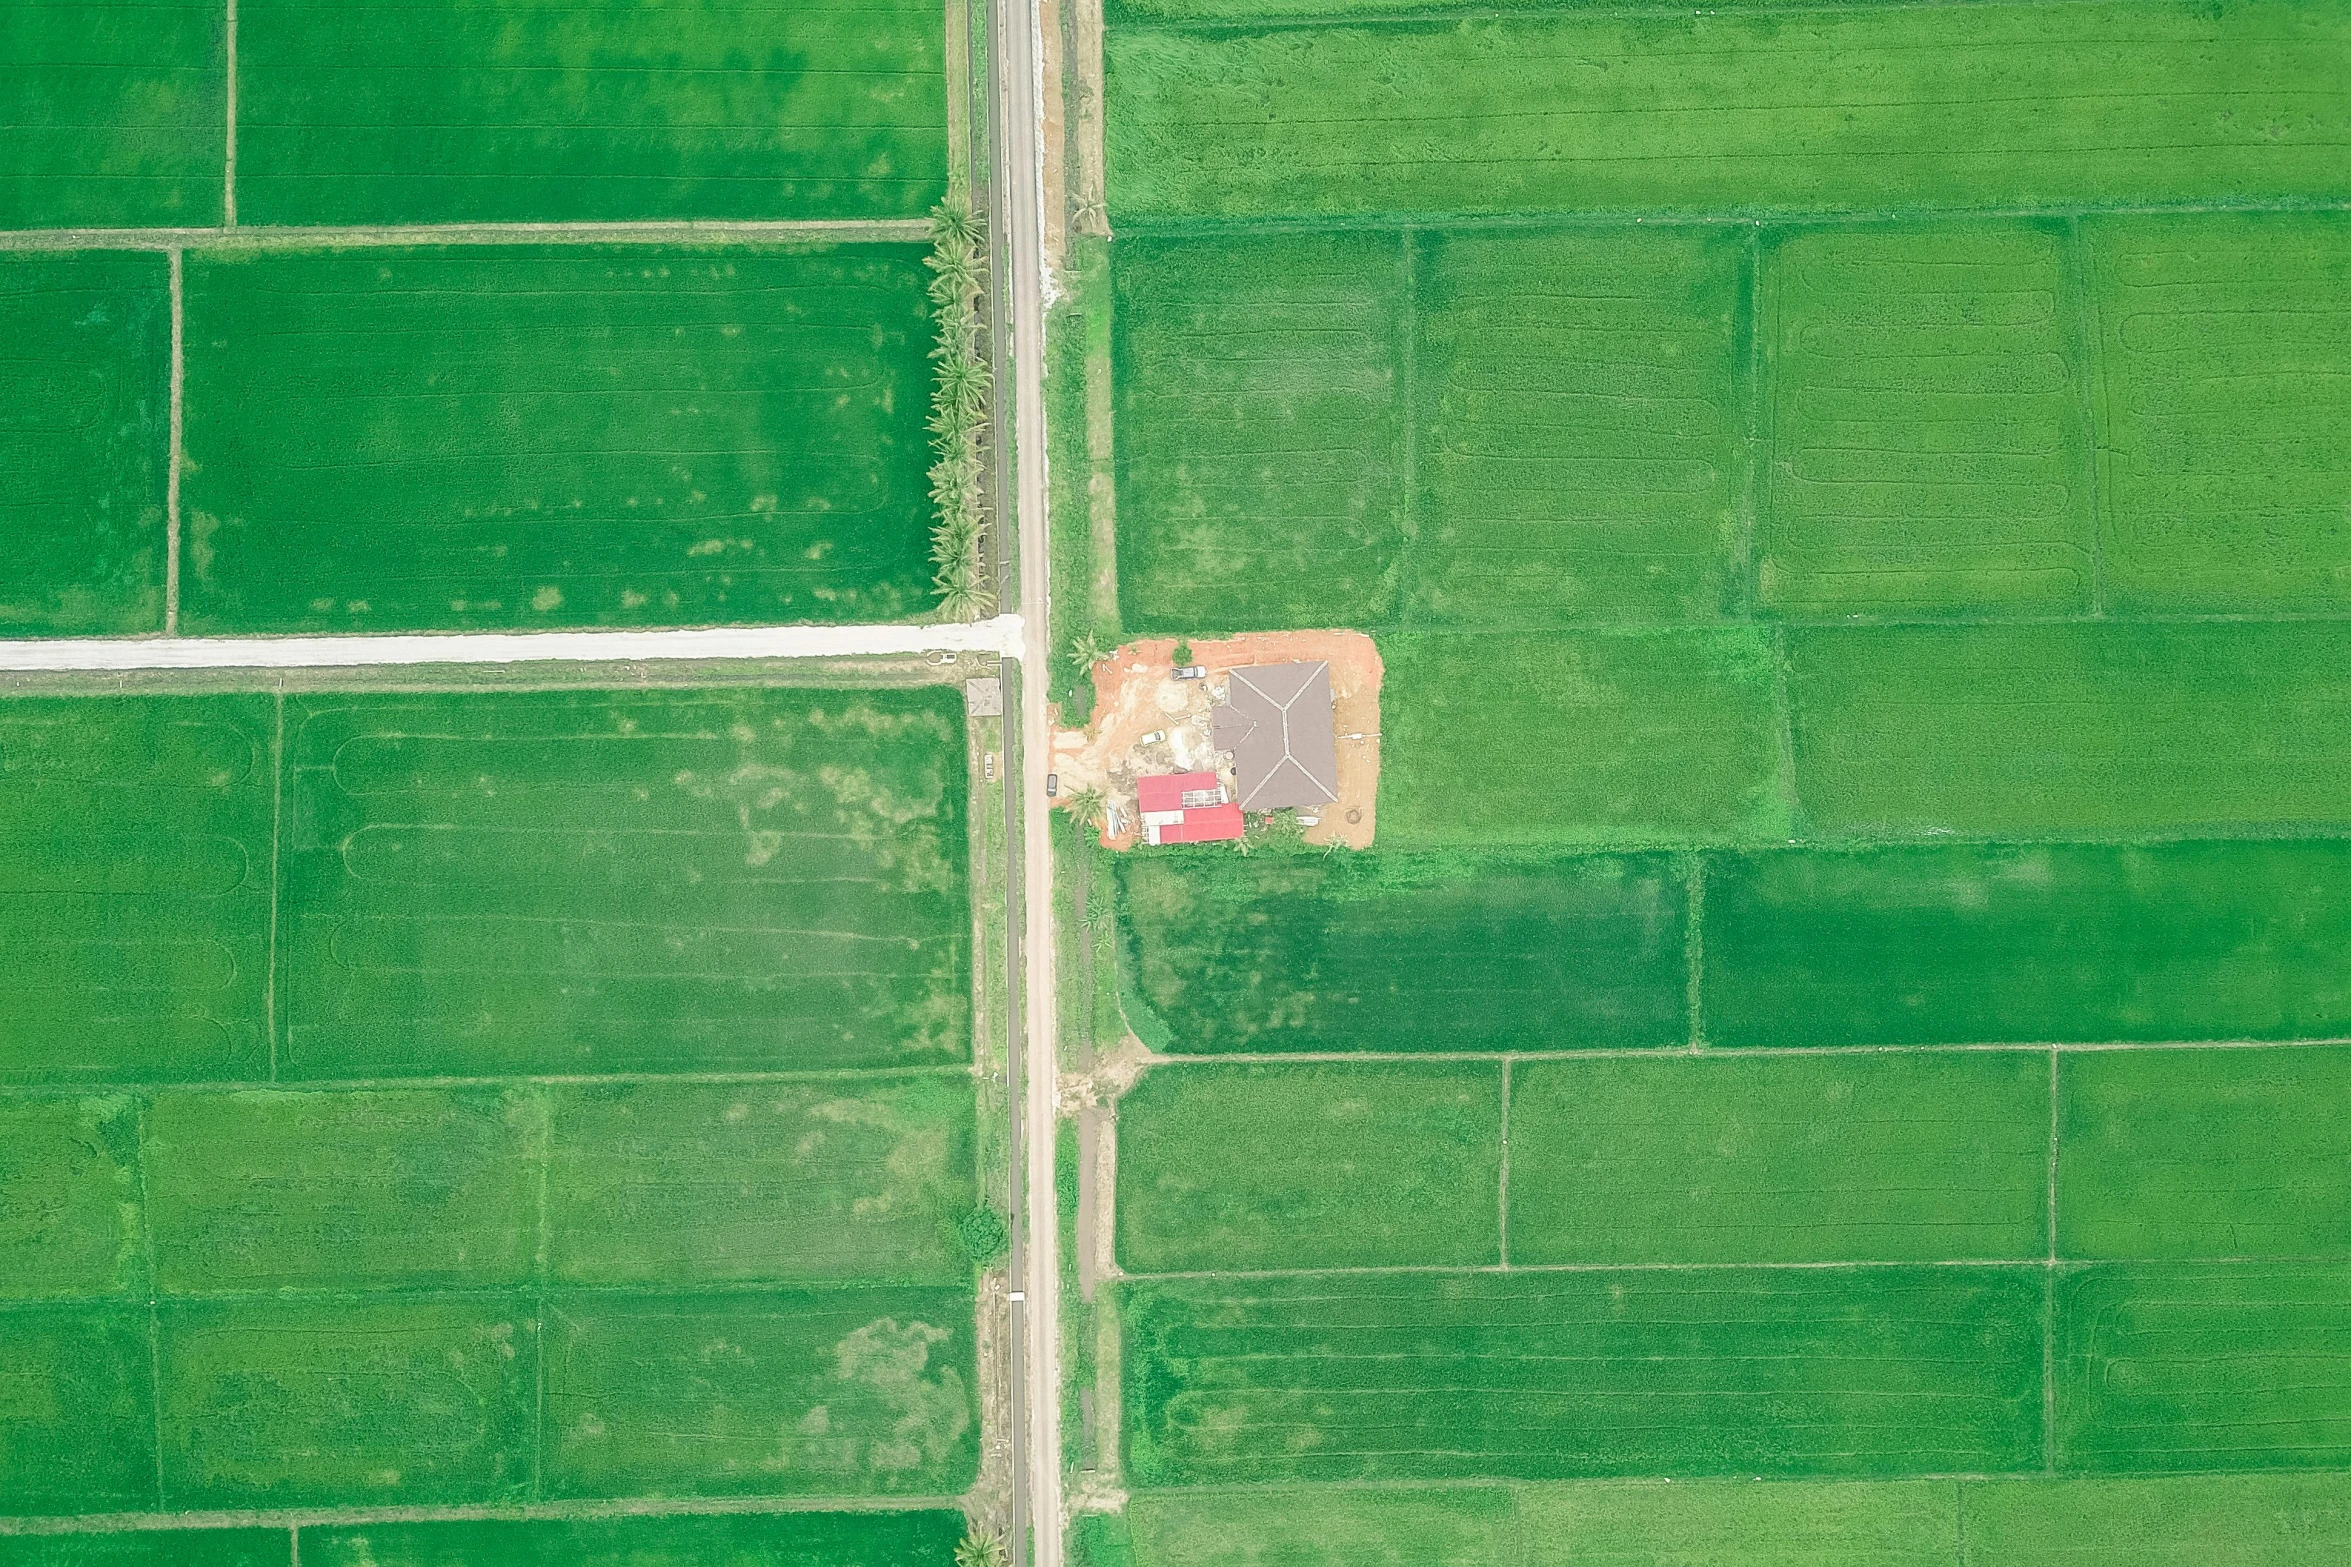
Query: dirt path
column 1136, row 694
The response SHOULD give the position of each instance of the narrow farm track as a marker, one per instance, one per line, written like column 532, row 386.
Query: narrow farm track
column 273, row 237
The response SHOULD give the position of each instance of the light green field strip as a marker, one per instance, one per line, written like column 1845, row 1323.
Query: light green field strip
column 1317, row 1165
column 1552, row 1375
column 584, row 881
column 2108, row 729
column 677, row 1183
column 69, row 1191
column 84, row 442
column 1816, row 111
column 134, row 887
column 268, row 1190
column 1581, row 440
column 318, row 1403
column 823, row 1393
column 2227, row 1153
column 2165, row 1367
column 1928, row 426
column 77, row 1410
column 527, row 438
column 1581, row 740
column 1983, row 943
column 1400, row 952
column 1924, row 1157
column 2227, row 410
column 152, row 1548
column 2249, row 1520
column 377, row 111
column 1259, row 423
column 112, row 113
column 876, row 1539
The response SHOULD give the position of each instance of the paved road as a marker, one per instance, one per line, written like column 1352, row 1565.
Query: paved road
column 1019, row 214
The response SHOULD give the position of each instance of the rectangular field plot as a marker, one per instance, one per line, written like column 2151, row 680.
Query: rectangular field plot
column 1325, row 1526
column 152, row 1548
column 1316, row 1165
column 1928, row 423
column 1397, row 952
column 134, row 887
column 1844, row 110
column 268, row 1190
column 1923, row 1157
column 1260, row 428
column 456, row 111
column 1551, row 1375
column 2205, row 1153
column 77, row 1410
column 1580, row 436
column 1983, row 943
column 2204, row 1366
column 2062, row 729
column 791, row 1182
column 585, row 881
column 2227, row 420
column 69, row 1191
column 876, row 1539
column 1585, row 740
column 824, row 1393
column 387, row 1402
column 85, row 442
column 430, row 440
column 2238, row 1520
column 112, row 113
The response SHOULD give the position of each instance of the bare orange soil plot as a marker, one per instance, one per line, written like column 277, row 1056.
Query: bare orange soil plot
column 1147, row 722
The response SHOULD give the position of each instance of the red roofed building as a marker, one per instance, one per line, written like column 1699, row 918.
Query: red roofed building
column 1186, row 808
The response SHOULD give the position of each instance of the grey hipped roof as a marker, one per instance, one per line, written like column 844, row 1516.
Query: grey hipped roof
column 1276, row 720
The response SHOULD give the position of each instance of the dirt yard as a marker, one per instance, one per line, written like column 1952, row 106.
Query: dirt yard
column 1136, row 693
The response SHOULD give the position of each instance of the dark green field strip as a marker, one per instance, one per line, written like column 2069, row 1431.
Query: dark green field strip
column 1580, row 425
column 152, row 1548
column 1259, row 425
column 583, row 881
column 77, row 1410
column 1983, row 943
column 1313, row 1165
column 393, row 111
column 2107, row 730
column 2204, row 1366
column 85, row 442
column 1582, row 740
column 134, row 887
column 451, row 439
column 1550, row 1375
column 113, row 113
column 1923, row 1157
column 2239, row 1520
column 69, row 1182
column 2227, row 410
column 1814, row 111
column 826, row 1393
column 677, row 1183
column 875, row 1539
column 2205, row 1153
column 267, row 1190
column 1395, row 952
column 1928, row 429
column 293, row 1403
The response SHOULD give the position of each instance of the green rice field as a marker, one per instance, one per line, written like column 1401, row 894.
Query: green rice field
column 437, row 1099
column 1850, row 500
column 522, row 437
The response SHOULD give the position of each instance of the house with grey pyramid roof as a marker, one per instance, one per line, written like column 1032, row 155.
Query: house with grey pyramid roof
column 1276, row 721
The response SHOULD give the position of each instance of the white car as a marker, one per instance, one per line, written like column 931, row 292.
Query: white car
column 1155, row 737
column 1192, row 672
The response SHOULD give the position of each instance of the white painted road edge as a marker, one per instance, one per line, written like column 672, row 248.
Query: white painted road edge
column 1000, row 636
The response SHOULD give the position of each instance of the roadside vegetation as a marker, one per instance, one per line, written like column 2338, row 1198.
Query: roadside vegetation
column 959, row 413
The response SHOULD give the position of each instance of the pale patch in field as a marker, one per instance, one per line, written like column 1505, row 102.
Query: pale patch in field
column 931, row 1412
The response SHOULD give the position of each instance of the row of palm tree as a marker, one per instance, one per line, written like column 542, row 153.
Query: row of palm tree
column 959, row 414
